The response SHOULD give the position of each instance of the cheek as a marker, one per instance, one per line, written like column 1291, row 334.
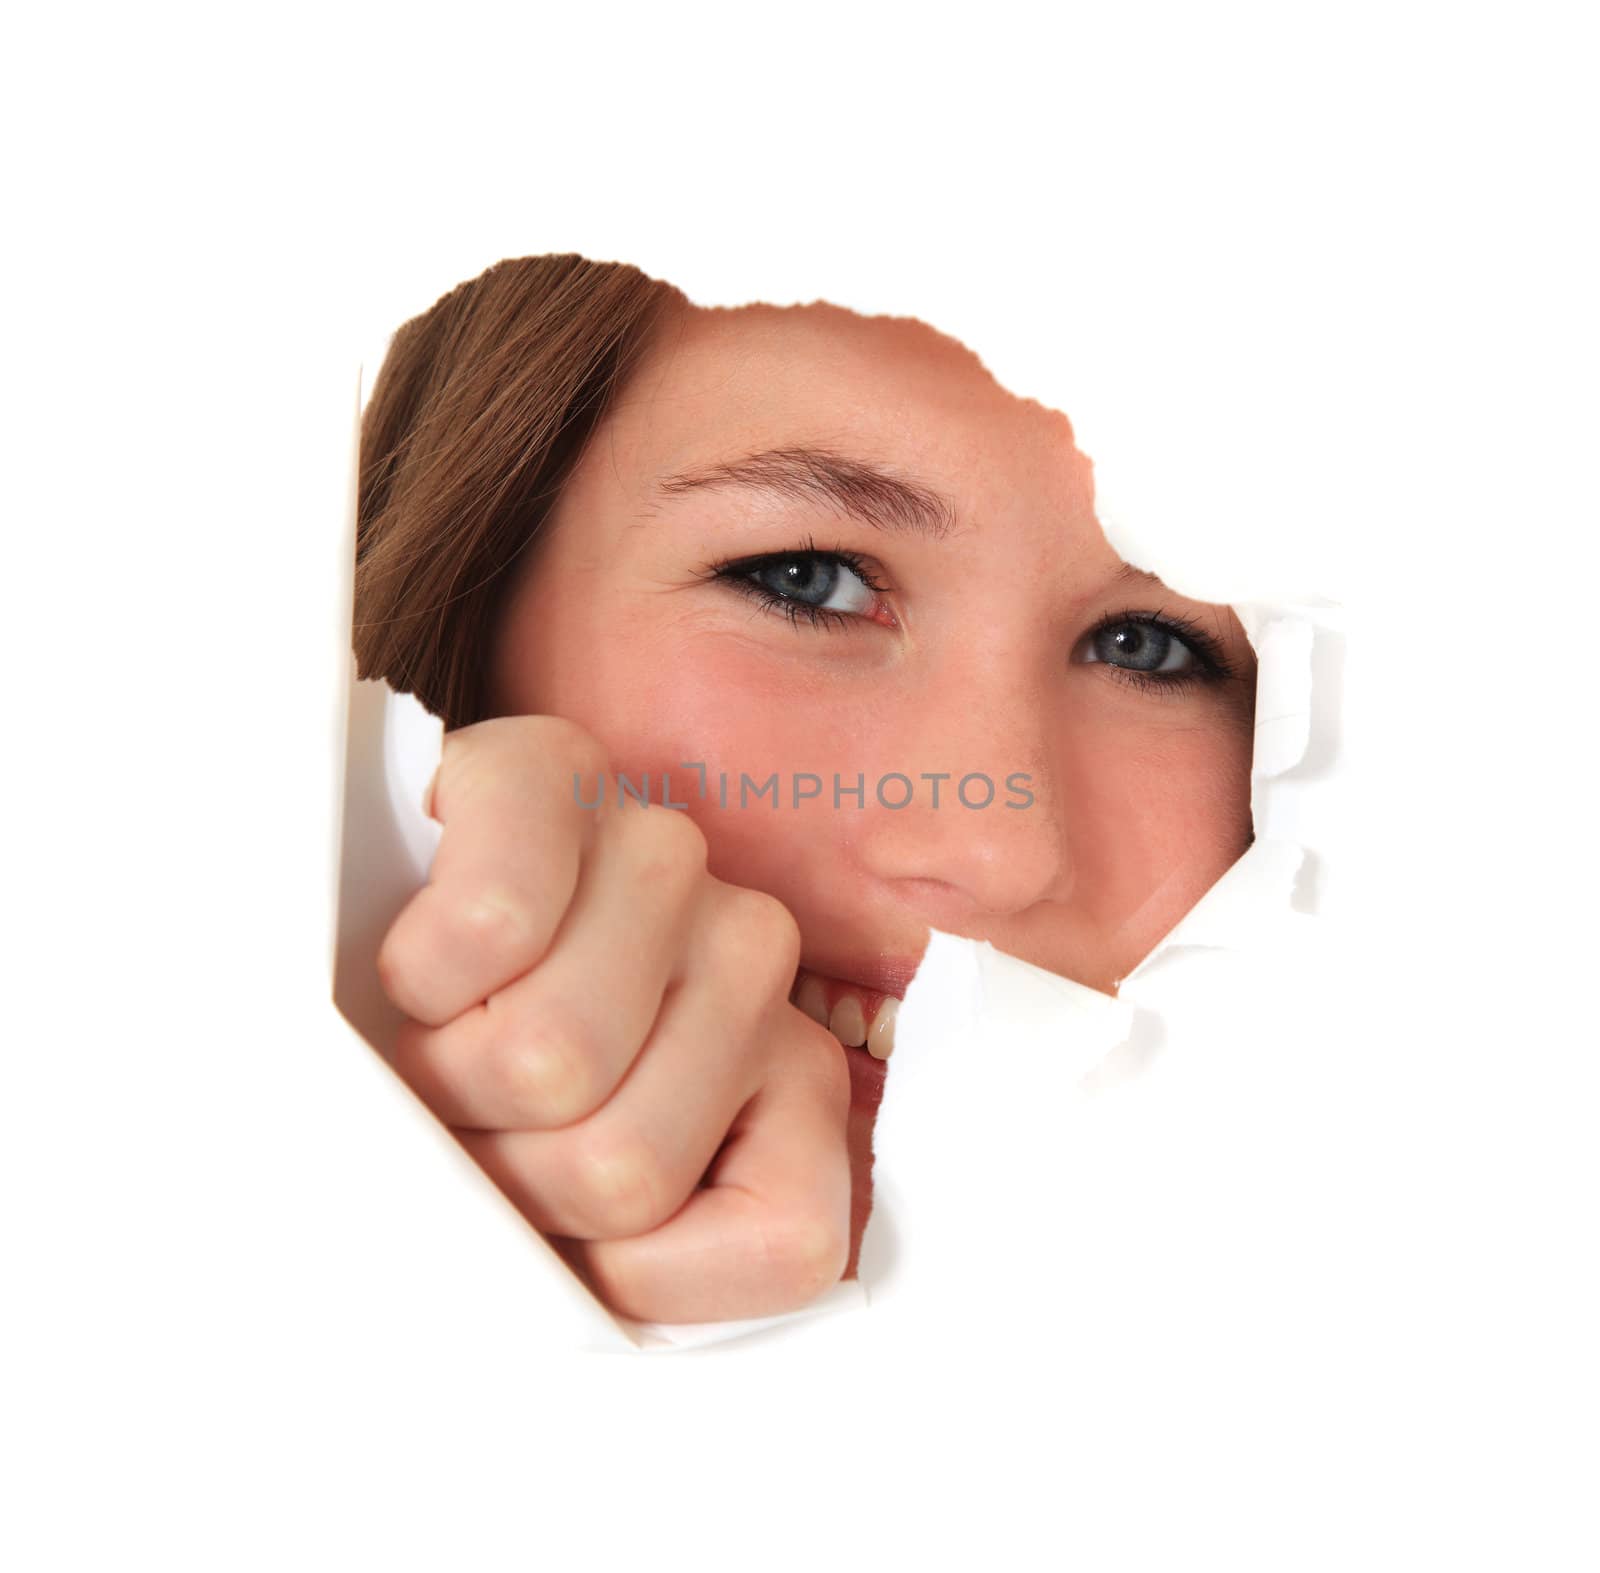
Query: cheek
column 1154, row 816
column 668, row 700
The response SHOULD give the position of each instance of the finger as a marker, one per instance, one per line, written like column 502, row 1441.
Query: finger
column 771, row 1229
column 551, row 1047
column 629, row 1167
column 506, row 867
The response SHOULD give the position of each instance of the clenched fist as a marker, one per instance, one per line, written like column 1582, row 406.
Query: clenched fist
column 607, row 1029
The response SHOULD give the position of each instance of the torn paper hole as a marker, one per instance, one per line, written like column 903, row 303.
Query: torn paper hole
column 1026, row 1006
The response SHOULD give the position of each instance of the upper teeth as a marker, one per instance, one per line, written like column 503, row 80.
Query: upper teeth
column 812, row 998
column 880, row 1040
column 847, row 1020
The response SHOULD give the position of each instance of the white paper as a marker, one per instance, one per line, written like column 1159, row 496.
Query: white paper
column 1299, row 1275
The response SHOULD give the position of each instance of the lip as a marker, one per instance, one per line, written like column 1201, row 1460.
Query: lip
column 875, row 974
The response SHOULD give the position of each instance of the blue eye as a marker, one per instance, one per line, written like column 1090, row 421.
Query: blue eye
column 1138, row 646
column 1155, row 649
column 834, row 588
column 825, row 583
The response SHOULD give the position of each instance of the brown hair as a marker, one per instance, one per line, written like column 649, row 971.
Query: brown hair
column 483, row 405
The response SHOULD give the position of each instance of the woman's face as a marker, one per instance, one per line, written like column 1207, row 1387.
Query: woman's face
column 809, row 544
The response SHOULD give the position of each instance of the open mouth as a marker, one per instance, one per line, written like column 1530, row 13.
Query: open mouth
column 859, row 1016
column 859, row 1009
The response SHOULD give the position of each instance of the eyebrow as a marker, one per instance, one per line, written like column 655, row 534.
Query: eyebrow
column 1128, row 574
column 853, row 486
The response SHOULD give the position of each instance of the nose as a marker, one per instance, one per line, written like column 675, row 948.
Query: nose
column 976, row 833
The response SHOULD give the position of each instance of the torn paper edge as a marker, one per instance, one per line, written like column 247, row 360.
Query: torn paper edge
column 396, row 734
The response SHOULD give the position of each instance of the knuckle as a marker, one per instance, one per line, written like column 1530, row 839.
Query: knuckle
column 577, row 750
column 671, row 846
column 757, row 938
column 491, row 921
column 547, row 1074
column 623, row 1188
column 806, row 1250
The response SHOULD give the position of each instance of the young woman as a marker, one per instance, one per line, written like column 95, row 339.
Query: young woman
column 767, row 640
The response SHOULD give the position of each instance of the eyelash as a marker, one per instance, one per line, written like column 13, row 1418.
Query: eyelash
column 1211, row 664
column 738, row 571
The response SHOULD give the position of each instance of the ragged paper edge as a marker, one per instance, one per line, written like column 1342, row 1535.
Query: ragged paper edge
column 393, row 749
column 1251, row 901
column 1254, row 899
column 391, row 753
column 967, row 996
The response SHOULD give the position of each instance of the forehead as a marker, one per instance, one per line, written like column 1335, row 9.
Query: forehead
column 717, row 382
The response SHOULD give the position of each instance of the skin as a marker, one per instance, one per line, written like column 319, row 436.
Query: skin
column 974, row 658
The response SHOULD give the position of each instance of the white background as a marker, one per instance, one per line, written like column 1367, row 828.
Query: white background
column 1316, row 288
